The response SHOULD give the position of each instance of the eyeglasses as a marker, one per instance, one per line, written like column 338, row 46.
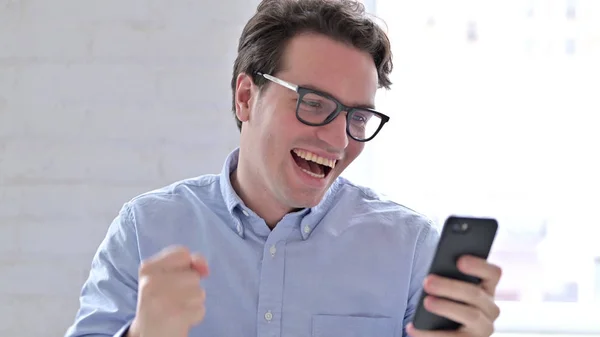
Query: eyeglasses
column 316, row 108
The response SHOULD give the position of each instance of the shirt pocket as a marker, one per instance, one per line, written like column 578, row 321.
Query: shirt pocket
column 351, row 326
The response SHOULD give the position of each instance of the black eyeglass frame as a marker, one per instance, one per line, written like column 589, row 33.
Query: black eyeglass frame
column 302, row 91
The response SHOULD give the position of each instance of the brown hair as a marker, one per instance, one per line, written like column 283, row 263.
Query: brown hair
column 275, row 22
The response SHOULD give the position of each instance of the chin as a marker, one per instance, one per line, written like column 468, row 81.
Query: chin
column 305, row 189
column 306, row 198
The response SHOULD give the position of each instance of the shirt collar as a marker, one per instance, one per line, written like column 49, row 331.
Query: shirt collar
column 308, row 218
column 232, row 200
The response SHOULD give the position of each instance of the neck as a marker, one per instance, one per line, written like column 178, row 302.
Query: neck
column 257, row 197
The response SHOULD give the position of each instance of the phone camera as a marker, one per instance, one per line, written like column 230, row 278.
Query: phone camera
column 460, row 227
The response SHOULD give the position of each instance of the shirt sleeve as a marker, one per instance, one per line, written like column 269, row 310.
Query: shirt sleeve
column 108, row 298
column 425, row 249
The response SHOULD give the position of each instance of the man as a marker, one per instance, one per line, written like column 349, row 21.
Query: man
column 278, row 244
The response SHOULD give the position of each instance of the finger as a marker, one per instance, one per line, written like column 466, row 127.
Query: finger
column 489, row 273
column 472, row 319
column 195, row 300
column 196, row 315
column 193, row 309
column 189, row 296
column 178, row 285
column 168, row 259
column 197, row 294
column 200, row 265
column 413, row 332
column 185, row 281
column 462, row 292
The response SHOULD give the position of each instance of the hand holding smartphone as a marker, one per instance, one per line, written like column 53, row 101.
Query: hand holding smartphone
column 460, row 236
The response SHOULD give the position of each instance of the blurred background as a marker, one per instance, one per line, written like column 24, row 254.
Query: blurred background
column 494, row 108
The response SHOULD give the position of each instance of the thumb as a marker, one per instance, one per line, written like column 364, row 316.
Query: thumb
column 200, row 265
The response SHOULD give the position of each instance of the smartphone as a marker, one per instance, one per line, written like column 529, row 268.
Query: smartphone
column 460, row 236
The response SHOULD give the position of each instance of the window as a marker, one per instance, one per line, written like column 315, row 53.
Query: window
column 495, row 111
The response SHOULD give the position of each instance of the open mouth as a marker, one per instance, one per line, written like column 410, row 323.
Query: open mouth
column 312, row 164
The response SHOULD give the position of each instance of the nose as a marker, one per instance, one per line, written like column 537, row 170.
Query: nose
column 334, row 133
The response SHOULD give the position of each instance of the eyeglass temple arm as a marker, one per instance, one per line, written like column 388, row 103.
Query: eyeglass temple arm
column 278, row 81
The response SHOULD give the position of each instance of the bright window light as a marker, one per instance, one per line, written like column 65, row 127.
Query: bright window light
column 495, row 111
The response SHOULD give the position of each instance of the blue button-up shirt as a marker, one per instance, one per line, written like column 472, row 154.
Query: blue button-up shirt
column 351, row 266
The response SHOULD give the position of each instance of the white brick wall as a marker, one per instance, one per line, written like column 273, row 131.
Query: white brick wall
column 99, row 101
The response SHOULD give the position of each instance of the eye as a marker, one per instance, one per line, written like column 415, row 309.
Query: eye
column 359, row 118
column 311, row 103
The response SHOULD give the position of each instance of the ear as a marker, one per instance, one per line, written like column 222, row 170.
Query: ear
column 244, row 90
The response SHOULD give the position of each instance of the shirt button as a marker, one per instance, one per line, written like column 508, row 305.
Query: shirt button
column 306, row 229
column 269, row 316
column 239, row 228
column 273, row 250
column 245, row 212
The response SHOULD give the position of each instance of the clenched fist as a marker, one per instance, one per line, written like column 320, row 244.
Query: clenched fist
column 170, row 299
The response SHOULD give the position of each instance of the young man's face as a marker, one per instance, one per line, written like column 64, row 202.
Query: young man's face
column 273, row 140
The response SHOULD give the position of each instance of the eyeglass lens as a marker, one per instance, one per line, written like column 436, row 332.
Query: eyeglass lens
column 315, row 109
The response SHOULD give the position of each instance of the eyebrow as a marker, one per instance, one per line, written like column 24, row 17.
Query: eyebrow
column 360, row 106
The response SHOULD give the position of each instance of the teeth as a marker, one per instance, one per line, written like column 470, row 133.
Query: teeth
column 315, row 158
column 314, row 174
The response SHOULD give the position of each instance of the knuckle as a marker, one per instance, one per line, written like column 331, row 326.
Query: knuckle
column 171, row 255
column 190, row 280
column 199, row 314
column 179, row 256
column 489, row 330
column 497, row 271
column 195, row 297
column 496, row 311
column 193, row 310
column 474, row 315
column 476, row 293
column 177, row 251
column 195, row 277
column 196, row 303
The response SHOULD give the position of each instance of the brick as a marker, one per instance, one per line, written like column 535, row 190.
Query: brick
column 44, row 275
column 9, row 239
column 37, row 315
column 55, row 83
column 99, row 101
column 73, row 161
column 183, row 83
column 8, row 79
column 36, row 43
column 193, row 44
column 114, row 44
column 189, row 161
column 149, row 125
column 3, row 107
column 119, row 102
column 78, row 11
column 61, row 239
column 189, row 15
column 40, row 201
column 8, row 315
column 10, row 13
